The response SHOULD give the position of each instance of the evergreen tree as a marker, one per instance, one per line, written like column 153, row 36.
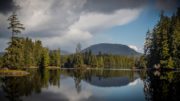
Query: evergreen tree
column 78, row 58
column 100, row 62
column 93, row 61
column 44, row 62
column 38, row 49
column 1, row 62
column 175, row 28
column 15, row 25
column 55, row 58
column 14, row 57
column 58, row 62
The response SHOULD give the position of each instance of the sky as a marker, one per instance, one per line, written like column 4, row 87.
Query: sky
column 65, row 23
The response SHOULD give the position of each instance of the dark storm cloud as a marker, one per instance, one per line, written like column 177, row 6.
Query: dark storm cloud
column 109, row 6
column 167, row 5
column 7, row 6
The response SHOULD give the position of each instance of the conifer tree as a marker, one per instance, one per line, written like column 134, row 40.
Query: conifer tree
column 15, row 26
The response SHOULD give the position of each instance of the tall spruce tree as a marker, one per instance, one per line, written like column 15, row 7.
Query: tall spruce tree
column 14, row 25
column 14, row 56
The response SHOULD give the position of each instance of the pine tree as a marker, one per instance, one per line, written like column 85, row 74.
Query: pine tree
column 175, row 25
column 58, row 62
column 1, row 62
column 93, row 61
column 78, row 57
column 15, row 25
column 55, row 58
column 44, row 62
column 164, row 29
column 100, row 62
column 14, row 57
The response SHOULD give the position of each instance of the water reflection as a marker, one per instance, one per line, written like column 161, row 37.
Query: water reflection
column 91, row 85
column 162, row 86
column 13, row 88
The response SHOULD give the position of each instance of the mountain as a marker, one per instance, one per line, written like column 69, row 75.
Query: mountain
column 114, row 49
column 109, row 81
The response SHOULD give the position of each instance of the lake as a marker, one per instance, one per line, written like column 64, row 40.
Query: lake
column 91, row 85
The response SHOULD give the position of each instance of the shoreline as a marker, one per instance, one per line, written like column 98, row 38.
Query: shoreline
column 13, row 73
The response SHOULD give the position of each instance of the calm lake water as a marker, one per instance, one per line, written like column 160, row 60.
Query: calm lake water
column 91, row 85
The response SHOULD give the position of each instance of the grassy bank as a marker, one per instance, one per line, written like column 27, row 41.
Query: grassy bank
column 49, row 67
column 13, row 73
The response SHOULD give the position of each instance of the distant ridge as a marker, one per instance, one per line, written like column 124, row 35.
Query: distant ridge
column 114, row 49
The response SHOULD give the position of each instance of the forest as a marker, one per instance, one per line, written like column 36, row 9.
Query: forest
column 162, row 46
column 23, row 53
column 87, row 59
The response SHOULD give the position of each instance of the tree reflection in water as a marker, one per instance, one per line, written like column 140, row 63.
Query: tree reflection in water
column 158, row 86
column 98, row 77
column 162, row 86
column 17, row 87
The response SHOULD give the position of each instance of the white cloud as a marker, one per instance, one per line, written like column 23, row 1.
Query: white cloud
column 136, row 48
column 69, row 91
column 69, row 40
column 133, row 47
column 135, row 82
column 96, row 21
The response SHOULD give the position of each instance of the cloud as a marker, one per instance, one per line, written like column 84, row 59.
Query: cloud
column 110, row 6
column 167, row 5
column 7, row 6
column 69, row 91
column 135, row 82
column 99, row 21
column 3, row 44
column 68, row 41
column 48, row 18
column 4, row 33
column 138, row 49
column 64, row 23
column 90, row 24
